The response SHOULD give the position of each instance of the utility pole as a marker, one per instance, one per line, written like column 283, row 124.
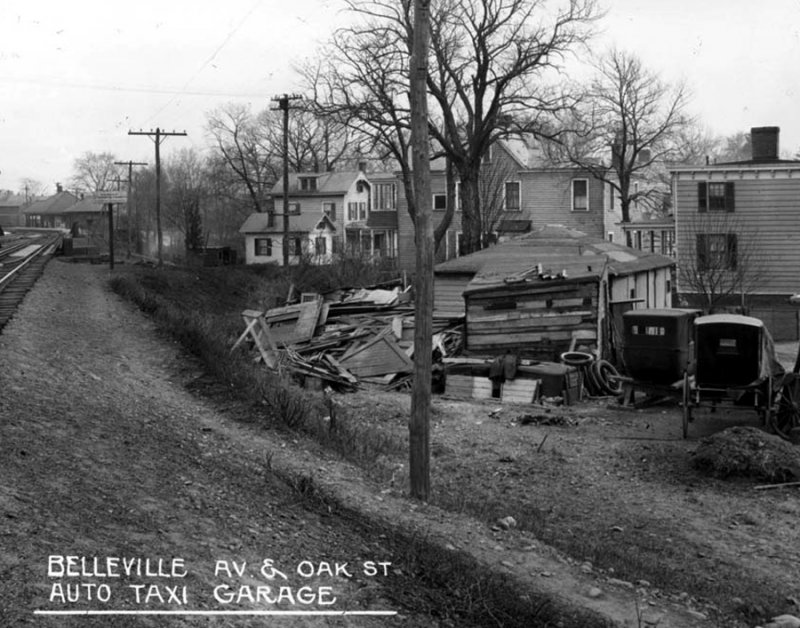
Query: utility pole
column 283, row 105
column 419, row 423
column 130, row 165
column 158, row 136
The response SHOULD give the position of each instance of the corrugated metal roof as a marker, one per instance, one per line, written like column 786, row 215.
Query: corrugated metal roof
column 552, row 241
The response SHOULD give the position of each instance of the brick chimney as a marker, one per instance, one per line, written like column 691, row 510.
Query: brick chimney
column 59, row 189
column 764, row 140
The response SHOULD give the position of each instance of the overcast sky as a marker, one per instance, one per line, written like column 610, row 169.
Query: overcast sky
column 77, row 76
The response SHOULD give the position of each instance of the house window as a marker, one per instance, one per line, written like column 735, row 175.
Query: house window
column 580, row 195
column 458, row 196
column 308, row 184
column 263, row 246
column 459, row 243
column 639, row 240
column 439, row 202
column 297, row 245
column 487, row 156
column 652, row 241
column 512, row 196
column 716, row 196
column 356, row 211
column 329, row 209
column 610, row 236
column 667, row 243
column 294, row 209
column 716, row 251
column 320, row 246
column 385, row 196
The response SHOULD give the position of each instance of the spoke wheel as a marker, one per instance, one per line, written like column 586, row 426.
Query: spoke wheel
column 785, row 416
column 687, row 404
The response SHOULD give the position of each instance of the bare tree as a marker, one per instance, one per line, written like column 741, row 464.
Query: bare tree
column 30, row 188
column 723, row 262
column 488, row 59
column 492, row 192
column 239, row 141
column 186, row 197
column 632, row 113
column 95, row 172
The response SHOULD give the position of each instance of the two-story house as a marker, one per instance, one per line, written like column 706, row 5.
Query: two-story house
column 738, row 225
column 329, row 213
column 518, row 192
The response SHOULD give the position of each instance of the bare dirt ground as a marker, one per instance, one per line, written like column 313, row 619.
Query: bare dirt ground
column 104, row 452
column 619, row 485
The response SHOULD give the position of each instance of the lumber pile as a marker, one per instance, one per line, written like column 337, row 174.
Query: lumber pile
column 344, row 339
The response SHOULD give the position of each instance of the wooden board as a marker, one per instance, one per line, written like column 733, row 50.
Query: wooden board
column 520, row 390
column 293, row 323
column 379, row 356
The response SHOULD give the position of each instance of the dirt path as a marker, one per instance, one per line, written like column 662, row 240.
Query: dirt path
column 104, row 454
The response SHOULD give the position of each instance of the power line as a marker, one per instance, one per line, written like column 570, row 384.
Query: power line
column 134, row 89
column 130, row 165
column 158, row 136
column 283, row 104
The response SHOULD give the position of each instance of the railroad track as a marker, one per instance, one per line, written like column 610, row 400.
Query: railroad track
column 21, row 264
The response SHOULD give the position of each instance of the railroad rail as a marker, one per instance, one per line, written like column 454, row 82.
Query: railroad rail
column 22, row 261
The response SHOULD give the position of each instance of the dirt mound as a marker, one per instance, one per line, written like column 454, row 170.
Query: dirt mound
column 748, row 452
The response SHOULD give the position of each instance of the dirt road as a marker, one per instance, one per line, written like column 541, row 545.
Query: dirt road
column 105, row 458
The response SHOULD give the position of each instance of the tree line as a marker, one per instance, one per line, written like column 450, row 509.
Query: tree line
column 497, row 69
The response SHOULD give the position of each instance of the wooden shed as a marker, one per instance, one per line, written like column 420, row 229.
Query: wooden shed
column 536, row 313
column 536, row 293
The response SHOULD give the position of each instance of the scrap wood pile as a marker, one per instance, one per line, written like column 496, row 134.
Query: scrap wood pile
column 345, row 338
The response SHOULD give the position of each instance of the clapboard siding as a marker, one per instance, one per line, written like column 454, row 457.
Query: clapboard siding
column 546, row 197
column 766, row 217
column 448, row 293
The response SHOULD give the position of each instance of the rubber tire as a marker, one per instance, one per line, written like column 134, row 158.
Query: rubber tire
column 602, row 369
column 577, row 358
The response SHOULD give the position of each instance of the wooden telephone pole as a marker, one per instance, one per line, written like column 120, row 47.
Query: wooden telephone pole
column 158, row 136
column 283, row 105
column 130, row 165
column 419, row 424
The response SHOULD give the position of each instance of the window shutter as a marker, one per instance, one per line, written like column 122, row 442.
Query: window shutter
column 702, row 196
column 729, row 201
column 731, row 252
column 702, row 252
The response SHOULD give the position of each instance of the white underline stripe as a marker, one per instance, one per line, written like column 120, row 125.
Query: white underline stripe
column 187, row 612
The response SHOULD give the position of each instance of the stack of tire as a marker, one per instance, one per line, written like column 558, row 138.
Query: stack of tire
column 599, row 377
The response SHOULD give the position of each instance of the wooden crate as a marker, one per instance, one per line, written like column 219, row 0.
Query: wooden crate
column 459, row 386
column 520, row 390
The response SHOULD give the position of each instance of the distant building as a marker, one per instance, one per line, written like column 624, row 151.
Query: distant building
column 742, row 219
column 11, row 205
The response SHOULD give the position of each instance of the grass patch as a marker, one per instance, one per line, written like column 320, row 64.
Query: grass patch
column 200, row 308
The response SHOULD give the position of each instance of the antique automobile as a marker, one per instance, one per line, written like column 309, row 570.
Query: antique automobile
column 709, row 360
column 736, row 362
column 658, row 344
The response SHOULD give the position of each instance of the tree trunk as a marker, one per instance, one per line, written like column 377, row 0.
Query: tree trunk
column 471, row 238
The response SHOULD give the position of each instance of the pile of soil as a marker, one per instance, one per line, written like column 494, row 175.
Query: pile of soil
column 749, row 452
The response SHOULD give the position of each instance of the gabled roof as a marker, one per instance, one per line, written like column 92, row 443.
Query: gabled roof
column 88, row 205
column 556, row 248
column 51, row 205
column 301, row 223
column 328, row 183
